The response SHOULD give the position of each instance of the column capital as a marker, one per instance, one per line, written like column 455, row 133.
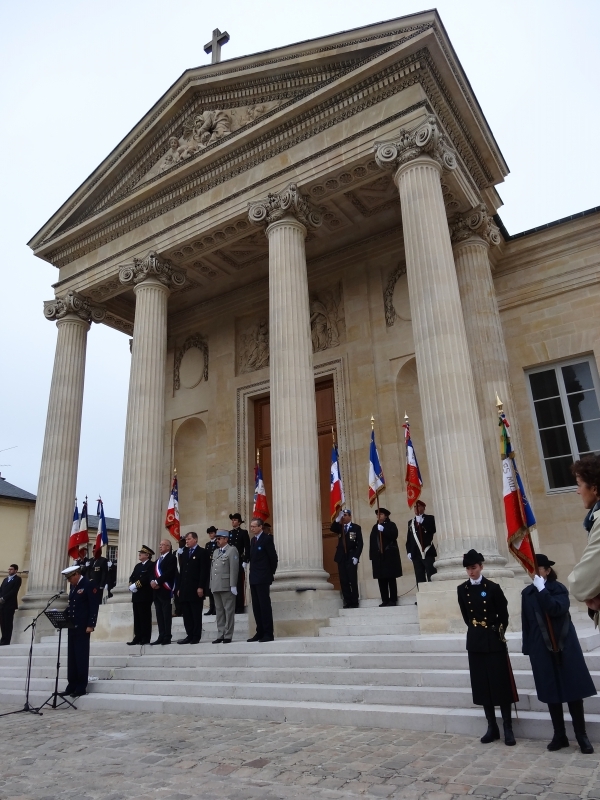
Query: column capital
column 474, row 223
column 73, row 304
column 426, row 140
column 289, row 202
column 152, row 267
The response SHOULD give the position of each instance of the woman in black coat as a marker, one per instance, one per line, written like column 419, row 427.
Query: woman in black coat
column 385, row 557
column 559, row 669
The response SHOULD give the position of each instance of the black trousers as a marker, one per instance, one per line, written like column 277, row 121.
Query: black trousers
column 142, row 621
column 261, row 607
column 241, row 584
column 349, row 581
column 78, row 661
column 424, row 568
column 7, row 616
column 388, row 589
column 211, row 602
column 164, row 616
column 192, row 617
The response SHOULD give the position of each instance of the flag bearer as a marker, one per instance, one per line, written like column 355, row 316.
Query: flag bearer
column 347, row 556
column 419, row 543
column 385, row 557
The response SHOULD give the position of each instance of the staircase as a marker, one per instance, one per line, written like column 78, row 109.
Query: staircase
column 376, row 678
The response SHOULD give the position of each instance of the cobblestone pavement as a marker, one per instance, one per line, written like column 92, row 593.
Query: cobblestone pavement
column 81, row 755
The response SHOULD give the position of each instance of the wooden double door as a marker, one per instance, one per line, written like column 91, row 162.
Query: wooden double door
column 326, row 421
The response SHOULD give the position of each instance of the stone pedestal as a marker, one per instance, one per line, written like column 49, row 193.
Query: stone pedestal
column 60, row 456
column 115, row 621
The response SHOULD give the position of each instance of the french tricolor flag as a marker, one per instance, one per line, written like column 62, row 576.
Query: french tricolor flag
column 376, row 479
column 172, row 523
column 79, row 531
column 261, row 506
column 336, row 493
column 414, row 482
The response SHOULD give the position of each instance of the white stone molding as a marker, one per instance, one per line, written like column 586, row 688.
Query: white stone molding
column 476, row 222
column 199, row 342
column 289, row 202
column 152, row 266
column 74, row 305
column 426, row 140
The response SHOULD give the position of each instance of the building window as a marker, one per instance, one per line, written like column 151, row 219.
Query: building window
column 112, row 552
column 565, row 405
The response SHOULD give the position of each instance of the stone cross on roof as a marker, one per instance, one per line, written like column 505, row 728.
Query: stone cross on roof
column 215, row 44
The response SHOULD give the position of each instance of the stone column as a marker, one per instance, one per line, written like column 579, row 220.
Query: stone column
column 142, row 491
column 60, row 455
column 472, row 235
column 460, row 489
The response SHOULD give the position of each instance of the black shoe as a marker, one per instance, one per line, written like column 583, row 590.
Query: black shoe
column 267, row 639
column 559, row 740
column 166, row 641
column 209, row 613
column 187, row 640
column 509, row 737
column 383, row 605
column 75, row 695
column 133, row 641
column 218, row 641
column 492, row 734
column 226, row 641
column 584, row 743
column 146, row 642
column 194, row 641
column 158, row 641
column 66, row 693
column 255, row 638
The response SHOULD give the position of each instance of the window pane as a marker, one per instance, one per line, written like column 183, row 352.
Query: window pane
column 549, row 413
column 543, row 384
column 584, row 405
column 587, row 435
column 555, row 442
column 577, row 377
column 559, row 473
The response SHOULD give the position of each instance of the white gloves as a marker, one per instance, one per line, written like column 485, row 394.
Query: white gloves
column 539, row 583
column 245, row 564
column 87, row 563
column 179, row 551
column 234, row 590
column 133, row 588
column 355, row 561
column 109, row 563
column 380, row 527
column 409, row 556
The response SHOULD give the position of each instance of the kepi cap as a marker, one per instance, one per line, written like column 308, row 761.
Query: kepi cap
column 222, row 533
column 71, row 570
column 347, row 511
column 145, row 549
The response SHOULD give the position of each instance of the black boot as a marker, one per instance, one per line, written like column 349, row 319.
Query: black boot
column 558, row 723
column 576, row 712
column 493, row 732
column 509, row 737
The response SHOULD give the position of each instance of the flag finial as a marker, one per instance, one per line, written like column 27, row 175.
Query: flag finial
column 372, row 422
column 174, row 470
column 257, row 456
column 499, row 404
column 405, row 417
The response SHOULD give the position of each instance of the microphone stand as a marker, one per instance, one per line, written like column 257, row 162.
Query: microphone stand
column 28, row 707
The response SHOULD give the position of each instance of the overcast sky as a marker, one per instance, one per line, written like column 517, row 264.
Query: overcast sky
column 78, row 74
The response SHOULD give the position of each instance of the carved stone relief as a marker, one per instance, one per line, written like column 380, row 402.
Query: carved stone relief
column 326, row 318
column 398, row 275
column 253, row 346
column 190, row 373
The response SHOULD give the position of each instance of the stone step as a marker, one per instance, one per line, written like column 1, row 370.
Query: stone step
column 371, row 629
column 358, row 616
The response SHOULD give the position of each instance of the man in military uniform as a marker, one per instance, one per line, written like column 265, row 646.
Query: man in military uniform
column 419, row 543
column 163, row 585
column 82, row 560
column 97, row 573
column 223, row 585
column 194, row 577
column 142, row 596
column 83, row 611
column 347, row 556
column 238, row 537
column 210, row 547
column 485, row 611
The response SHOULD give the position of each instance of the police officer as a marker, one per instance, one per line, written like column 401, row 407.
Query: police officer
column 223, row 583
column 485, row 611
column 210, row 547
column 142, row 596
column 238, row 537
column 419, row 543
column 83, row 611
column 347, row 556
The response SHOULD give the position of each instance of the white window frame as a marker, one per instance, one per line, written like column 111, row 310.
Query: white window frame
column 556, row 366
column 113, row 547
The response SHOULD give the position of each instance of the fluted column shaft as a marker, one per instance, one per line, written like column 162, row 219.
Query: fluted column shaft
column 489, row 360
column 60, row 456
column 294, row 446
column 456, row 461
column 141, row 495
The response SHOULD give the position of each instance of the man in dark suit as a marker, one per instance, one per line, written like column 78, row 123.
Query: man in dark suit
column 210, row 548
column 238, row 537
column 8, row 602
column 194, row 577
column 163, row 585
column 97, row 573
column 142, row 596
column 419, row 543
column 83, row 611
column 347, row 556
column 263, row 564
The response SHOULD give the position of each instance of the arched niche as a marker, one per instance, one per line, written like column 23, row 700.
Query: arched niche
column 190, row 462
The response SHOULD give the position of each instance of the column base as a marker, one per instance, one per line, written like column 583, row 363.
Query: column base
column 451, row 569
column 300, row 580
column 115, row 622
column 301, row 613
column 29, row 607
column 438, row 609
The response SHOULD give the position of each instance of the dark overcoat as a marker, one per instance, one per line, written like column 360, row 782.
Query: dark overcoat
column 385, row 564
column 194, row 573
column 558, row 678
column 142, row 574
column 350, row 543
column 492, row 682
column 239, row 537
column 263, row 560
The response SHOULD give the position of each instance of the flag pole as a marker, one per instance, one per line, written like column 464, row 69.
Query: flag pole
column 377, row 495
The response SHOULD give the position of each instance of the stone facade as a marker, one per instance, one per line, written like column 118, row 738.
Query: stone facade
column 322, row 210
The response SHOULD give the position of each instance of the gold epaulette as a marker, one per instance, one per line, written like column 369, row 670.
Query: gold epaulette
column 138, row 585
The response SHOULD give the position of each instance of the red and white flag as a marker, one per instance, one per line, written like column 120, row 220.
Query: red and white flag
column 414, row 482
column 172, row 518
column 336, row 492
column 261, row 506
column 79, row 531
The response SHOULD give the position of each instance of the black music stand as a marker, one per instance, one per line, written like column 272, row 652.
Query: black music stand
column 59, row 620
